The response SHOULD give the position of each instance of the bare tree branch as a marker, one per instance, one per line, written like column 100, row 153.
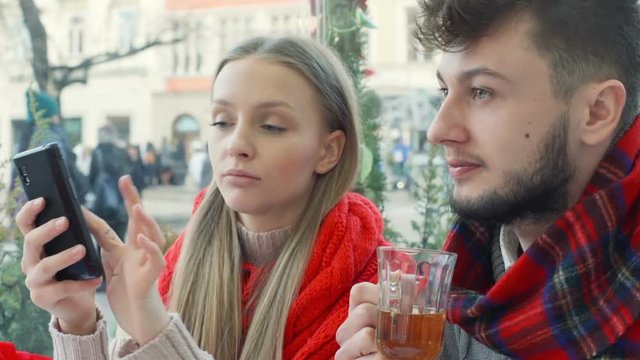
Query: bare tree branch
column 114, row 55
column 64, row 74
column 38, row 35
column 61, row 76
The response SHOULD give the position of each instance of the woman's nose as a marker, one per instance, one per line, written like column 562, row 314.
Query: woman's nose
column 240, row 143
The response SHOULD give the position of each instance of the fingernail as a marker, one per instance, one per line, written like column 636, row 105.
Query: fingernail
column 77, row 250
column 60, row 222
column 37, row 202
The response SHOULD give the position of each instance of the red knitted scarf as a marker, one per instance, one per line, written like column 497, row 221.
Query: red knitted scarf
column 344, row 254
column 575, row 293
column 8, row 352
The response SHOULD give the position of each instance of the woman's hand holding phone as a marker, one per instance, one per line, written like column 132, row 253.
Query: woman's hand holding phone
column 131, row 271
column 72, row 302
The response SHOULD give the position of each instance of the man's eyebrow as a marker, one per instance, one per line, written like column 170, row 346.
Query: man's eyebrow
column 222, row 102
column 471, row 73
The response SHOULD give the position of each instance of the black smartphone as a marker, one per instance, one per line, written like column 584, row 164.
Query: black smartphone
column 44, row 173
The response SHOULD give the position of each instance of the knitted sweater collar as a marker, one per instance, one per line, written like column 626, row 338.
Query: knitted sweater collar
column 259, row 248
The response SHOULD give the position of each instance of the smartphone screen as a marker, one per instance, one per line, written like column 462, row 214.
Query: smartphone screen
column 44, row 173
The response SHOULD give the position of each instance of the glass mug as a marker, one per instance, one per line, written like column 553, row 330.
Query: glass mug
column 413, row 298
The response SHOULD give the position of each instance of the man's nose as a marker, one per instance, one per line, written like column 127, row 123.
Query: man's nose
column 449, row 124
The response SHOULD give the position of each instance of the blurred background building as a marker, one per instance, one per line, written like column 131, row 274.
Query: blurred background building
column 162, row 93
column 159, row 93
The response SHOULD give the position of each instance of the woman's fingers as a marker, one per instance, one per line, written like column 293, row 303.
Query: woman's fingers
column 46, row 268
column 53, row 292
column 26, row 217
column 153, row 253
column 151, row 227
column 35, row 239
column 129, row 192
column 105, row 236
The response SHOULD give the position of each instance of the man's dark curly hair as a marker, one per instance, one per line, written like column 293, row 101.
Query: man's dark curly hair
column 583, row 40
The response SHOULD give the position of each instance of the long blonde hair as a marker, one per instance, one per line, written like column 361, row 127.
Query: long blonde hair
column 207, row 285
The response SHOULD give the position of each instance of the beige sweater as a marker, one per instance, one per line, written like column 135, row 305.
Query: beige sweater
column 175, row 341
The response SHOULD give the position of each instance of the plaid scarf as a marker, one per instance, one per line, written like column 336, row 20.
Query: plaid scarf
column 575, row 293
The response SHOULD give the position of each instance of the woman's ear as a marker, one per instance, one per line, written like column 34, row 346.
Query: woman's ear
column 606, row 101
column 331, row 151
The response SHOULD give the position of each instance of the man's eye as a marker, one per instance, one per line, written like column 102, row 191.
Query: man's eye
column 220, row 124
column 480, row 94
column 444, row 91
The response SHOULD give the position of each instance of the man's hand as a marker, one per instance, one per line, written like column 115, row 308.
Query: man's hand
column 357, row 335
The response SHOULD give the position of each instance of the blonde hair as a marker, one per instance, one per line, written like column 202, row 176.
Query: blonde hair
column 207, row 285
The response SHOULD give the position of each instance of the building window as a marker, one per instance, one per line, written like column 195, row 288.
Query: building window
column 275, row 24
column 73, row 129
column 18, row 126
column 175, row 49
column 128, row 25
column 186, row 124
column 187, row 55
column 414, row 52
column 223, row 35
column 76, row 36
column 20, row 43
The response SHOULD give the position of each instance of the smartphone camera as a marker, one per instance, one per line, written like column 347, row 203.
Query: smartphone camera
column 25, row 175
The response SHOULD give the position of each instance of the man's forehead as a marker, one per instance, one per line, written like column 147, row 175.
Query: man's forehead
column 504, row 60
column 504, row 47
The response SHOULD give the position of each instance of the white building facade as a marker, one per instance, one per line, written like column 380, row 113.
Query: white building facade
column 164, row 92
column 160, row 93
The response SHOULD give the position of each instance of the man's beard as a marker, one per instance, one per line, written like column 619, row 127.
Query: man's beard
column 535, row 192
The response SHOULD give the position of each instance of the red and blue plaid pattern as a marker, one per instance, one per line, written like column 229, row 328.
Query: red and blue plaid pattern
column 575, row 293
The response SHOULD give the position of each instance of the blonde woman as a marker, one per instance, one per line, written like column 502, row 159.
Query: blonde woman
column 266, row 264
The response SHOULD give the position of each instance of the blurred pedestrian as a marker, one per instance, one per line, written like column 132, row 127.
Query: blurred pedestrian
column 51, row 130
column 137, row 171
column 197, row 162
column 108, row 163
column 152, row 165
column 83, row 158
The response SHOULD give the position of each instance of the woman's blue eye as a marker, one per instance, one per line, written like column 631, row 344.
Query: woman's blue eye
column 273, row 128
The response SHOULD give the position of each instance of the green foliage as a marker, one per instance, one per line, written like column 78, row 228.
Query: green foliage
column 431, row 192
column 21, row 322
column 343, row 30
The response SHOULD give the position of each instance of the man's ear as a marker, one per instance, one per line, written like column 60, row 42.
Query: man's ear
column 606, row 101
column 331, row 151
